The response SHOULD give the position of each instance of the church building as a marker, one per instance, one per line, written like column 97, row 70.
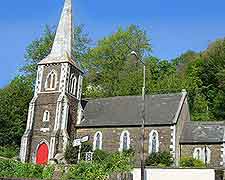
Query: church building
column 57, row 114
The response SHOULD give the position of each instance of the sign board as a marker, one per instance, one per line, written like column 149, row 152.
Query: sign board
column 76, row 142
column 84, row 139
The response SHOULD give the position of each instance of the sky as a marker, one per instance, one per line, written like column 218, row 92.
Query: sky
column 174, row 26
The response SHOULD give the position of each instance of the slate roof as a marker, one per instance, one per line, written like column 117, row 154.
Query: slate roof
column 126, row 110
column 202, row 132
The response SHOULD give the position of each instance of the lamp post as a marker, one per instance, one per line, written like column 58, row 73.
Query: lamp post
column 143, row 117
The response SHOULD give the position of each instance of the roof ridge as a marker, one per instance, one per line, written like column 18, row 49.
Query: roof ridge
column 132, row 96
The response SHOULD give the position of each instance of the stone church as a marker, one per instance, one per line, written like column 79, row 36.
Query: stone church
column 57, row 113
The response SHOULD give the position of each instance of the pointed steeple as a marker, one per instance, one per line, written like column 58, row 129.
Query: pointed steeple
column 63, row 42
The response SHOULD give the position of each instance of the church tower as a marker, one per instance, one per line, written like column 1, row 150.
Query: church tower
column 54, row 108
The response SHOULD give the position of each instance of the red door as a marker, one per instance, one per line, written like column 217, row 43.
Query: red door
column 42, row 154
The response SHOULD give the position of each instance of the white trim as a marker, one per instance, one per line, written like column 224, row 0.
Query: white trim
column 184, row 95
column 50, row 75
column 121, row 140
column 73, row 84
column 223, row 150
column 46, row 116
column 24, row 141
column 63, row 77
column 202, row 154
column 195, row 154
column 208, row 155
column 80, row 83
column 39, row 79
column 95, row 140
column 44, row 130
column 150, row 141
column 173, row 141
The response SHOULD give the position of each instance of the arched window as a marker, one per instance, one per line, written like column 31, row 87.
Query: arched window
column 207, row 155
column 46, row 116
column 97, row 144
column 124, row 141
column 153, row 142
column 198, row 154
column 73, row 83
column 51, row 80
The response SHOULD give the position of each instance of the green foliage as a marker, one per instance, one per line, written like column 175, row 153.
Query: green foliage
column 191, row 162
column 159, row 159
column 100, row 155
column 71, row 153
column 40, row 48
column 9, row 168
column 14, row 105
column 9, row 151
column 100, row 170
column 110, row 69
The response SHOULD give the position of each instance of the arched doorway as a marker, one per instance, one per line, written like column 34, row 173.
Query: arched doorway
column 42, row 154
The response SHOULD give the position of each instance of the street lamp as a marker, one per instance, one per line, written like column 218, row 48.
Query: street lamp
column 143, row 117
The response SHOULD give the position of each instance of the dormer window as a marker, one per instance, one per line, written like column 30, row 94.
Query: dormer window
column 73, row 83
column 51, row 81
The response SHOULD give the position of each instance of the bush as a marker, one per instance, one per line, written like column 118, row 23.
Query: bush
column 191, row 162
column 100, row 155
column 10, row 168
column 159, row 159
column 9, row 151
column 71, row 153
column 100, row 170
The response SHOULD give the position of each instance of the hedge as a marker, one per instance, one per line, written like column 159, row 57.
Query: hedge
column 15, row 169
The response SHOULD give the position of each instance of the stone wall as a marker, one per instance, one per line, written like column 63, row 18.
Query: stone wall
column 187, row 150
column 111, row 138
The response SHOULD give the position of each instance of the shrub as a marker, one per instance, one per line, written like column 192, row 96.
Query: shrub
column 100, row 155
column 191, row 162
column 71, row 154
column 10, row 168
column 9, row 151
column 100, row 170
column 159, row 159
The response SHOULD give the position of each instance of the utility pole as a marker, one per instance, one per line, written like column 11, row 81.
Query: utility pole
column 143, row 118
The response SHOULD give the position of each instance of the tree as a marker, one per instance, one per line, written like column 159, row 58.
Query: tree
column 109, row 70
column 14, row 105
column 40, row 48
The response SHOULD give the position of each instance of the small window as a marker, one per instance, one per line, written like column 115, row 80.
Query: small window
column 46, row 116
column 73, row 83
column 51, row 81
column 198, row 154
column 124, row 141
column 153, row 142
column 97, row 144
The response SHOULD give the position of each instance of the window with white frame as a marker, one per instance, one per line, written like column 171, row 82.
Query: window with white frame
column 97, row 144
column 51, row 80
column 73, row 83
column 198, row 154
column 46, row 116
column 124, row 141
column 203, row 154
column 153, row 142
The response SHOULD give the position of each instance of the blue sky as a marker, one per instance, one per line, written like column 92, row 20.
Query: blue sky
column 174, row 26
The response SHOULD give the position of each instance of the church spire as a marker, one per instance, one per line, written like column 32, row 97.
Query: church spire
column 64, row 34
column 63, row 42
